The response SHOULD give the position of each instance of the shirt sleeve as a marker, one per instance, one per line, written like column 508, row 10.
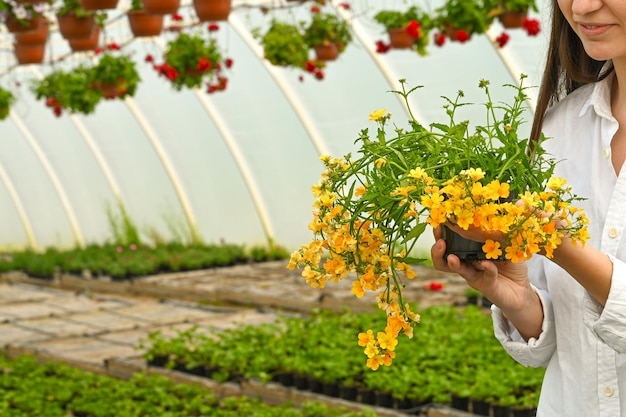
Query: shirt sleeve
column 536, row 352
column 608, row 323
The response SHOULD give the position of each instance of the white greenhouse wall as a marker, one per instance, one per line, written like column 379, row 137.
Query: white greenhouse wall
column 236, row 165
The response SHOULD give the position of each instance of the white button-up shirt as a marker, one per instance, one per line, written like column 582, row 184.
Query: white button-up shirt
column 583, row 345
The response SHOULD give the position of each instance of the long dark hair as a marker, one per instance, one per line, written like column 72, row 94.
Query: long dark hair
column 567, row 67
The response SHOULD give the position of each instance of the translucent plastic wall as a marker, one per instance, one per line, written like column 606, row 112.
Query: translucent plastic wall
column 233, row 166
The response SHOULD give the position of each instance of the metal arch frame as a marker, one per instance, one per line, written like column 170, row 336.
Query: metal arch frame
column 257, row 200
column 305, row 118
column 508, row 62
column 17, row 202
column 246, row 173
column 167, row 165
column 52, row 175
column 383, row 66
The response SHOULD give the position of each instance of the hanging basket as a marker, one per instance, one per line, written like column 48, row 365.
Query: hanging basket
column 38, row 36
column 89, row 43
column 71, row 26
column 512, row 20
column 161, row 7
column 98, row 4
column 327, row 52
column 212, row 10
column 144, row 24
column 15, row 26
column 29, row 54
column 400, row 39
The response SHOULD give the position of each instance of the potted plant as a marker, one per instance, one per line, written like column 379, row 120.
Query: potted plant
column 7, row 99
column 212, row 10
column 369, row 211
column 115, row 76
column 19, row 17
column 406, row 29
column 284, row 45
column 143, row 23
column 68, row 90
column 327, row 34
column 512, row 13
column 460, row 19
column 73, row 20
column 191, row 60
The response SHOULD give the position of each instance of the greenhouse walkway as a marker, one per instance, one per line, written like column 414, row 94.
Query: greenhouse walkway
column 99, row 325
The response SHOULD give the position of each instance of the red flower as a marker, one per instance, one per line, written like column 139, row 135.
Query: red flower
column 51, row 102
column 413, row 29
column 228, row 62
column 433, row 286
column 382, row 47
column 204, row 64
column 532, row 26
column 345, row 6
column 213, row 27
column 440, row 39
column 98, row 51
column 301, row 78
column 462, row 36
column 113, row 47
column 167, row 71
column 310, row 66
column 176, row 17
column 57, row 111
column 211, row 88
column 315, row 9
column 223, row 83
column 149, row 58
column 503, row 39
column 319, row 74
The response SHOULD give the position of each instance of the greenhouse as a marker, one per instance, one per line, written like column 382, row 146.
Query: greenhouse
column 148, row 227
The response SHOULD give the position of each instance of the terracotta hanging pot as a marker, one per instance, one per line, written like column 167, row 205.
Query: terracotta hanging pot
column 161, row 6
column 400, row 39
column 512, row 20
column 71, row 26
column 15, row 26
column 89, row 43
column 326, row 52
column 145, row 24
column 212, row 10
column 98, row 4
column 38, row 36
column 29, row 54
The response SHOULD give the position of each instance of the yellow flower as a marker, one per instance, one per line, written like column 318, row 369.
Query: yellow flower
column 556, row 183
column 377, row 115
column 380, row 162
column 492, row 249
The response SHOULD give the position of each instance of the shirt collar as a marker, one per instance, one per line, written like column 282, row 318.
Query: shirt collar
column 600, row 98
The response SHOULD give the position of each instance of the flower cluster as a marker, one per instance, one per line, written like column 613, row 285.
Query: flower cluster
column 369, row 212
column 191, row 60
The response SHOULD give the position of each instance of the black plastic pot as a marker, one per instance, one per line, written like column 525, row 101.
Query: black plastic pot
column 467, row 250
column 480, row 407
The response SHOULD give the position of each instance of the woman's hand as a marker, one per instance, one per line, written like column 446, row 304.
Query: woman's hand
column 504, row 283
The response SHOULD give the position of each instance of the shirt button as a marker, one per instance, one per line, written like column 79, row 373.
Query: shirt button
column 613, row 232
column 608, row 391
column 607, row 153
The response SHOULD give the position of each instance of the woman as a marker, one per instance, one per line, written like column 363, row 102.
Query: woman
column 569, row 313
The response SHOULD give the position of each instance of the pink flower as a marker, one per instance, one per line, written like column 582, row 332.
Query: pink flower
column 119, row 249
